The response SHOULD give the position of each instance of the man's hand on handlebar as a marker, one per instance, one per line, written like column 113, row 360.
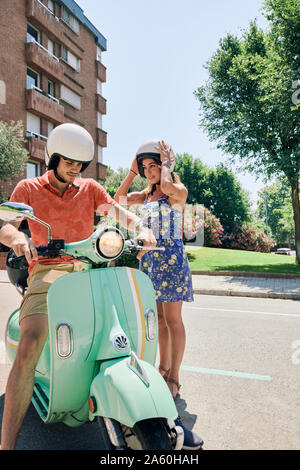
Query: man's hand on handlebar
column 23, row 245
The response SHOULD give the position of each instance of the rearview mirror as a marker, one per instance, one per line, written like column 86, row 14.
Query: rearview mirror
column 14, row 211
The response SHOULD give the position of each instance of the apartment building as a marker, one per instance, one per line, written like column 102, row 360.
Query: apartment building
column 51, row 72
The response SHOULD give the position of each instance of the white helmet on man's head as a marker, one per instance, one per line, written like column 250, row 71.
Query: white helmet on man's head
column 148, row 150
column 69, row 141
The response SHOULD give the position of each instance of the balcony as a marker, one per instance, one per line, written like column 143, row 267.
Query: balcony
column 101, row 171
column 100, row 104
column 100, row 71
column 36, row 146
column 39, row 58
column 40, row 16
column 101, row 138
column 44, row 106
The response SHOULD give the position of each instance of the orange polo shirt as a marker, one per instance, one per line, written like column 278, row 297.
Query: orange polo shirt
column 71, row 215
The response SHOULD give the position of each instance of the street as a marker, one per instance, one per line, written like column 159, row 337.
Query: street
column 230, row 337
column 239, row 376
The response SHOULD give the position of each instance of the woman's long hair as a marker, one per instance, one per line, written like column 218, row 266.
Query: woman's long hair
column 151, row 188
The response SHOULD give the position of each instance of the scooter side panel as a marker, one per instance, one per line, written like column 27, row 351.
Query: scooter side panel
column 70, row 301
column 122, row 297
column 138, row 296
column 122, row 395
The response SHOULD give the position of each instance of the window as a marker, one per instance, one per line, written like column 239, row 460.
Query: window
column 50, row 88
column 32, row 169
column 99, row 87
column 51, row 46
column 50, row 127
column 32, row 34
column 70, row 97
column 70, row 20
column 100, row 154
column 99, row 54
column 99, row 118
column 70, row 59
column 32, row 79
column 51, row 5
column 33, row 125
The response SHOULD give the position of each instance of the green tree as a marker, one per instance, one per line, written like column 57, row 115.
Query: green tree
column 13, row 155
column 224, row 186
column 193, row 174
column 211, row 187
column 246, row 104
column 115, row 178
column 275, row 208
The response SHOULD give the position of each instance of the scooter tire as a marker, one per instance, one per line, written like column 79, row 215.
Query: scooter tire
column 104, row 435
column 153, row 434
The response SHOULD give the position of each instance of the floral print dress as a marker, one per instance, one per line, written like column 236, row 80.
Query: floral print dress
column 169, row 270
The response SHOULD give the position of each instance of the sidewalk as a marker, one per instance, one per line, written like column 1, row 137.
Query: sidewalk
column 240, row 284
column 274, row 286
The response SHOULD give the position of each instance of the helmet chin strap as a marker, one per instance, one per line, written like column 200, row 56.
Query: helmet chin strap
column 59, row 177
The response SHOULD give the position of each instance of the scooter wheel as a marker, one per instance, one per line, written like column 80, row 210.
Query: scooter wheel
column 153, row 434
column 104, row 435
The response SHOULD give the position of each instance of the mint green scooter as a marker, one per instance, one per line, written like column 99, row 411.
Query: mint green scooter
column 99, row 359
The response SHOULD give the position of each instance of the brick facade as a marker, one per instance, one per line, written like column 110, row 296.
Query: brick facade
column 17, row 54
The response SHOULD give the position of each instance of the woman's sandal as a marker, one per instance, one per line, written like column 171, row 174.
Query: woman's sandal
column 165, row 372
column 170, row 380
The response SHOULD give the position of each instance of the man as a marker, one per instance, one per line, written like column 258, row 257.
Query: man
column 67, row 204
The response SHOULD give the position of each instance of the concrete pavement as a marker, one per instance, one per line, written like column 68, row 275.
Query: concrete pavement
column 244, row 284
column 241, row 284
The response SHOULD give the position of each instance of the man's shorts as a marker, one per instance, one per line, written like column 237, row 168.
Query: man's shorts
column 40, row 279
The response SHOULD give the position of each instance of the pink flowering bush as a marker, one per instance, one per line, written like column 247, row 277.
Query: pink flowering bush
column 211, row 225
column 192, row 225
column 213, row 229
column 248, row 238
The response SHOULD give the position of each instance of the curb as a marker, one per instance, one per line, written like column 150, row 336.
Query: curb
column 232, row 293
column 247, row 274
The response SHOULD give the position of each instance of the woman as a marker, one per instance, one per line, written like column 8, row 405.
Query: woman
column 169, row 269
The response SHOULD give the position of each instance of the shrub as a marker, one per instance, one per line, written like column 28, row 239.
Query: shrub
column 248, row 238
column 212, row 228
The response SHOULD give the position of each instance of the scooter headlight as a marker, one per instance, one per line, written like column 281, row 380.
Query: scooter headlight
column 109, row 243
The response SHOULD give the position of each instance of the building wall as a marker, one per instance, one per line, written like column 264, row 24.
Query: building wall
column 13, row 70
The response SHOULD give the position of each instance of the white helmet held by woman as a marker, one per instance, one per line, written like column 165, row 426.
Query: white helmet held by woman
column 148, row 150
column 69, row 141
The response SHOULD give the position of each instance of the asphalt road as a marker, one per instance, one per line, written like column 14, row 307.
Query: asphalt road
column 240, row 377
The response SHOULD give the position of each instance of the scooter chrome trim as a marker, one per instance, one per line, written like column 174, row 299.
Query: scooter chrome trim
column 121, row 343
column 151, row 324
column 136, row 366
column 69, row 345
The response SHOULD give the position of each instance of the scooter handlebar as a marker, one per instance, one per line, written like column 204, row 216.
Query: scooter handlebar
column 139, row 245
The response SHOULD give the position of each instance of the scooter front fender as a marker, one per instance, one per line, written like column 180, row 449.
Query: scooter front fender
column 119, row 393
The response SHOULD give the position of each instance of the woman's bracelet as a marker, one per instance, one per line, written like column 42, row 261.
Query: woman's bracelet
column 133, row 171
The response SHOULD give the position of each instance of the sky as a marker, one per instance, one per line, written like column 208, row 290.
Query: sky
column 156, row 52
